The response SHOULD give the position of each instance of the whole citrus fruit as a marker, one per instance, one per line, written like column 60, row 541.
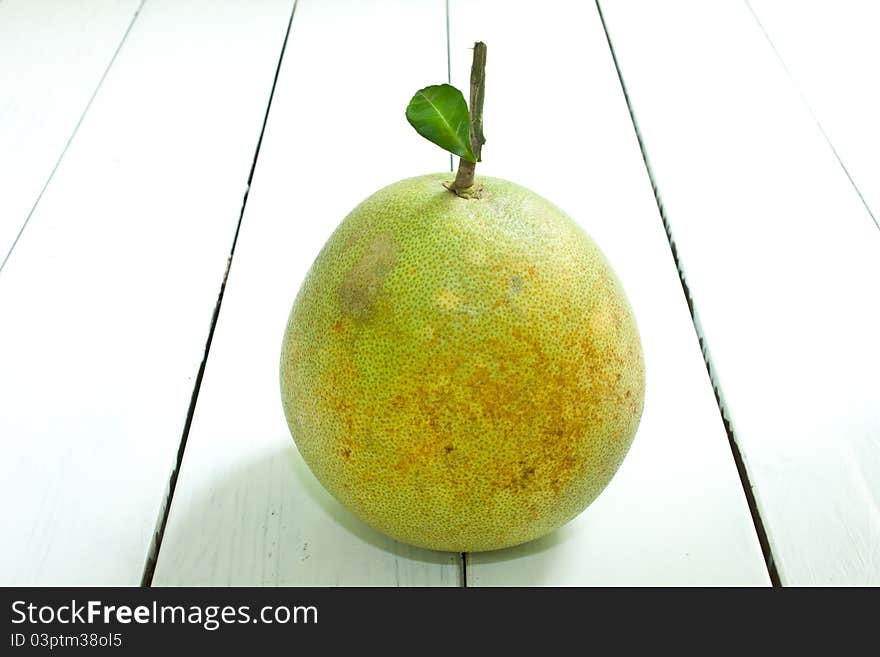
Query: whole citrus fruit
column 463, row 374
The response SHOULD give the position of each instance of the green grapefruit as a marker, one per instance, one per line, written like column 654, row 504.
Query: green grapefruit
column 463, row 374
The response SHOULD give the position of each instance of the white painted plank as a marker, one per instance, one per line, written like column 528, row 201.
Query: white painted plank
column 53, row 54
column 106, row 302
column 556, row 121
column 247, row 511
column 832, row 52
column 783, row 264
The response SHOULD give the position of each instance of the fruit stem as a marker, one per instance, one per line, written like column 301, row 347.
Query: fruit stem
column 464, row 179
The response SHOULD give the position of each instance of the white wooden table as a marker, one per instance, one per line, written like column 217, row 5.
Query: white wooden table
column 170, row 168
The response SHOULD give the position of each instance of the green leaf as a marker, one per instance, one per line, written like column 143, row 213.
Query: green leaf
column 439, row 113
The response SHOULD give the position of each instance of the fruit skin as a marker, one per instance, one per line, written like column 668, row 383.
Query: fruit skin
column 462, row 374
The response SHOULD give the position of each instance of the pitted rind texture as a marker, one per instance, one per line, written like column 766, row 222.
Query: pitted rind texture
column 463, row 375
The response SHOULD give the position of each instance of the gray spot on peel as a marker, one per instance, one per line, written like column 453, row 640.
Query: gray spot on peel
column 364, row 280
column 516, row 285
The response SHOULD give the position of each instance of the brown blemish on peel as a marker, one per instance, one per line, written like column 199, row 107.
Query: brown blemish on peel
column 364, row 280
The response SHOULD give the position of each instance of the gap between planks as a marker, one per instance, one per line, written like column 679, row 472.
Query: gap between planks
column 72, row 135
column 463, row 555
column 162, row 522
column 812, row 113
column 760, row 530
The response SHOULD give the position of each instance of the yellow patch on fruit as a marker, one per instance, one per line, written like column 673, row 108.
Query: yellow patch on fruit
column 462, row 374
